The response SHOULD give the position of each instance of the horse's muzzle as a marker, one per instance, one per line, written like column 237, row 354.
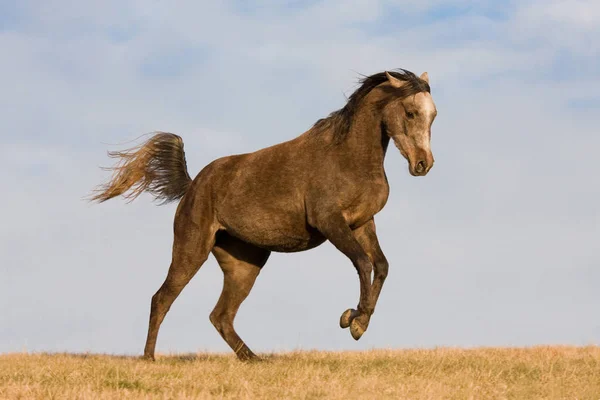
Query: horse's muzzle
column 420, row 168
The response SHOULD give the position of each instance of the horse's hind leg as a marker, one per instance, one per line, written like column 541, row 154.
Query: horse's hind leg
column 241, row 263
column 194, row 237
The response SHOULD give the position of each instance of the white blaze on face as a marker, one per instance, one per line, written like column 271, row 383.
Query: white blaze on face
column 427, row 110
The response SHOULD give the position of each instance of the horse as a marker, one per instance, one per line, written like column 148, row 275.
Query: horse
column 326, row 184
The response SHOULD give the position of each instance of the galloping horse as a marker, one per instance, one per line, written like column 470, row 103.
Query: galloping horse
column 326, row 184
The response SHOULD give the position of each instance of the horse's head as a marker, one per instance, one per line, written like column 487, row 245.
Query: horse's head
column 407, row 121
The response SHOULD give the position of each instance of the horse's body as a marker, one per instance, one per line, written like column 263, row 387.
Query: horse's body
column 274, row 184
column 326, row 184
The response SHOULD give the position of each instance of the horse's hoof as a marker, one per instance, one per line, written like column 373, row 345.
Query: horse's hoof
column 249, row 358
column 347, row 317
column 246, row 355
column 358, row 327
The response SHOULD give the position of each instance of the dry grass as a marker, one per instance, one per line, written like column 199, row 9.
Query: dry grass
column 534, row 373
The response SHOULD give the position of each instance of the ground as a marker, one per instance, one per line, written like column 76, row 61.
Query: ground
column 444, row 373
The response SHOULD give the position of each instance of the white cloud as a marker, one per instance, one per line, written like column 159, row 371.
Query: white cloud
column 570, row 26
column 578, row 14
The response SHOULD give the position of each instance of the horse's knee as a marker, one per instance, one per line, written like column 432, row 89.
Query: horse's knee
column 381, row 269
column 364, row 266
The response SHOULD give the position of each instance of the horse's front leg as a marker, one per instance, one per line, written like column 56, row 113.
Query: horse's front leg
column 367, row 238
column 334, row 227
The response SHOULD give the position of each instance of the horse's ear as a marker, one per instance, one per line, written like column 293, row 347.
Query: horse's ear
column 395, row 82
column 424, row 76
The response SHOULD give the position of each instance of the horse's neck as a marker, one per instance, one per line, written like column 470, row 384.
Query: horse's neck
column 366, row 142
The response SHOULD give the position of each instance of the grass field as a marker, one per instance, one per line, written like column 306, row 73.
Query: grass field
column 488, row 373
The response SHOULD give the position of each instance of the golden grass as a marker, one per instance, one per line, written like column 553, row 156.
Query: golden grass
column 487, row 373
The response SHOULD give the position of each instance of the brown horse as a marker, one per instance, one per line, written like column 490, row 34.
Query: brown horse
column 326, row 184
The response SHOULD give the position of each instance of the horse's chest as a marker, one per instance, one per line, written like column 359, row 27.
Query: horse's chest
column 365, row 204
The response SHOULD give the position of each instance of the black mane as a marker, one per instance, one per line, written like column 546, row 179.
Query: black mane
column 341, row 120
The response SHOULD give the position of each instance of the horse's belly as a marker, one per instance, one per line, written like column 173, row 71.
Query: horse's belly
column 275, row 234
column 291, row 244
column 280, row 240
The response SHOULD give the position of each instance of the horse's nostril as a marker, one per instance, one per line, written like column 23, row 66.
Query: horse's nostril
column 420, row 167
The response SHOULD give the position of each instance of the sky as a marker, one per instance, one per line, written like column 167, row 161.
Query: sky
column 497, row 246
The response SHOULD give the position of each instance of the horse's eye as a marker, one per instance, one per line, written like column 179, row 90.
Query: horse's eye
column 410, row 115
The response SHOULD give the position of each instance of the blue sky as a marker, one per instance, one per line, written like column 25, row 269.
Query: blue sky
column 497, row 246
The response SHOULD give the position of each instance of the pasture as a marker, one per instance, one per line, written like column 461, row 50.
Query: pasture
column 443, row 373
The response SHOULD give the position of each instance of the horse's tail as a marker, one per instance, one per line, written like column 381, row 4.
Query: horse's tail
column 157, row 166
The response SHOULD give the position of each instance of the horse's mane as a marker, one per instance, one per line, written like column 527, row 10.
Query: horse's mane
column 340, row 121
